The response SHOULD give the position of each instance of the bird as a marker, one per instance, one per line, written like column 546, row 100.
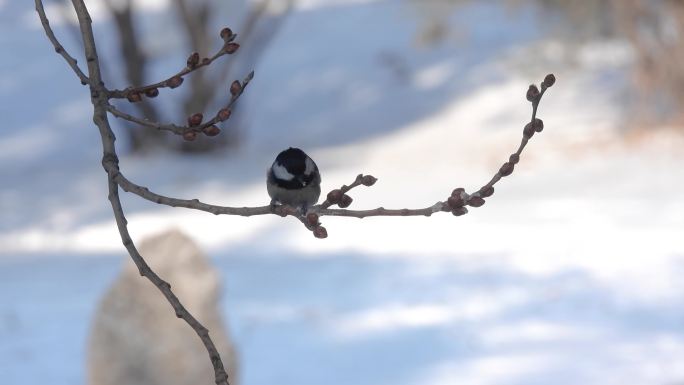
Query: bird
column 294, row 180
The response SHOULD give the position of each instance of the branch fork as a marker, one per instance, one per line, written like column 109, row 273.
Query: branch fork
column 457, row 202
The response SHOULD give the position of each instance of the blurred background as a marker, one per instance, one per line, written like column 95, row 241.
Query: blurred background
column 570, row 274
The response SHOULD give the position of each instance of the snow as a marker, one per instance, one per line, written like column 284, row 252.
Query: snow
column 570, row 274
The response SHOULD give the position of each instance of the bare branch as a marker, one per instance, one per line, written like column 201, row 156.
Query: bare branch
column 179, row 130
column 177, row 79
column 221, row 376
column 100, row 96
column 58, row 46
column 535, row 125
column 99, row 99
column 221, row 115
column 339, row 197
column 456, row 203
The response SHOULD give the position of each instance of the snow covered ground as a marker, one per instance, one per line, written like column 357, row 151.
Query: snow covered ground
column 570, row 274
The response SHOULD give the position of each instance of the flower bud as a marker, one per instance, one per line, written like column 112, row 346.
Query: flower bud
column 193, row 60
column 345, row 201
column 195, row 119
column 506, row 169
column 320, row 232
column 538, row 125
column 189, row 135
column 226, row 34
column 134, row 97
column 514, row 158
column 528, row 131
column 457, row 192
column 476, row 201
column 459, row 211
column 312, row 219
column 175, row 81
column 211, row 130
column 368, row 180
column 223, row 114
column 455, row 202
column 231, row 48
column 334, row 196
column 235, row 88
column 489, row 191
column 532, row 93
column 152, row 92
column 549, row 81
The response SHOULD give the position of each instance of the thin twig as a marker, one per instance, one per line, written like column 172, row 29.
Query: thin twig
column 383, row 212
column 344, row 189
column 99, row 98
column 475, row 199
column 521, row 147
column 58, row 46
column 180, row 130
column 323, row 208
column 196, row 204
column 169, row 82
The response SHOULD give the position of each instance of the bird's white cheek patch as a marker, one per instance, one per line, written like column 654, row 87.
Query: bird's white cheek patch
column 309, row 166
column 281, row 173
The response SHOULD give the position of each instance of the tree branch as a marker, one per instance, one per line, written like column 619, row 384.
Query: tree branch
column 221, row 115
column 99, row 99
column 58, row 46
column 456, row 203
column 194, row 63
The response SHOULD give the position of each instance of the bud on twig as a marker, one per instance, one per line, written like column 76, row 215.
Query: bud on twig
column 476, row 201
column 223, row 114
column 345, row 201
column 175, row 81
column 532, row 93
column 538, row 125
column 368, row 180
column 312, row 219
column 235, row 88
column 455, row 202
column 189, row 136
column 457, row 192
column 514, row 158
column 489, row 191
column 211, row 130
column 193, row 60
column 231, row 48
column 549, row 81
column 134, row 97
column 152, row 93
column 459, row 211
column 334, row 196
column 226, row 34
column 506, row 169
column 320, row 232
column 528, row 131
column 195, row 119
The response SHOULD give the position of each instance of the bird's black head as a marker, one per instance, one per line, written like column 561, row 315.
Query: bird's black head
column 293, row 169
column 294, row 160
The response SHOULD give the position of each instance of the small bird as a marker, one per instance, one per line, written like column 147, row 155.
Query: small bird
column 294, row 180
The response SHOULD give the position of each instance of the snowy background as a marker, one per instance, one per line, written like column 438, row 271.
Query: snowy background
column 570, row 274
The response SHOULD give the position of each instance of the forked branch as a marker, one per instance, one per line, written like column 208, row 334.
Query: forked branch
column 457, row 202
column 100, row 96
